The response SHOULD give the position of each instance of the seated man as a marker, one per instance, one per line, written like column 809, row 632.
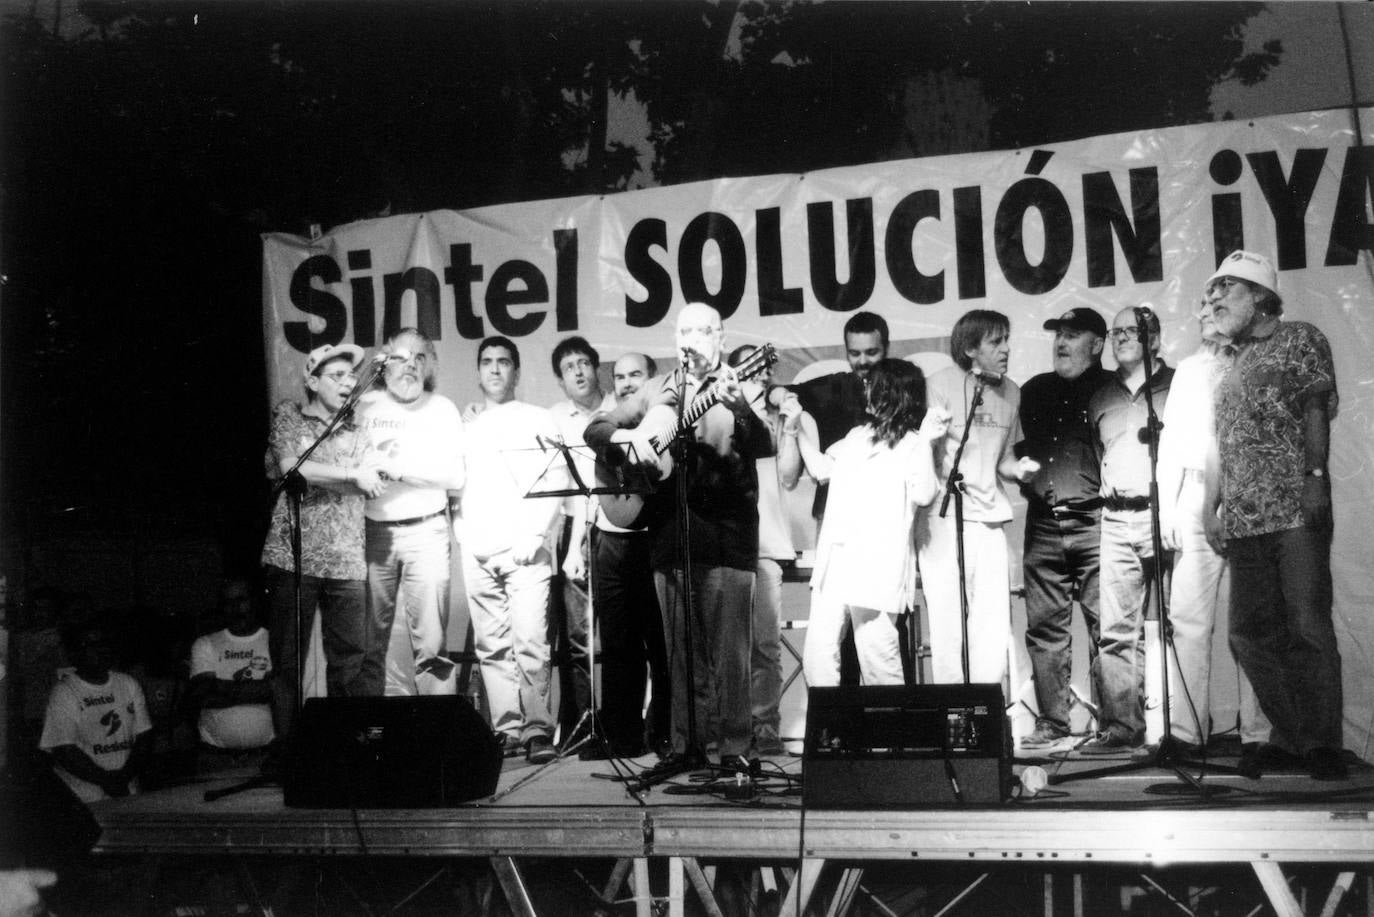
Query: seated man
column 96, row 728
column 230, row 683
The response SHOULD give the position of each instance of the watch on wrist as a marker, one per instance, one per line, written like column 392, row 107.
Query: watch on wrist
column 1315, row 473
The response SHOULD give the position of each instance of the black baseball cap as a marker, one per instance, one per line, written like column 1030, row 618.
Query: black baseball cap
column 1082, row 319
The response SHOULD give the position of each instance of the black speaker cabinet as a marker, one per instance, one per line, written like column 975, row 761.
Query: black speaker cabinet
column 905, row 747
column 390, row 752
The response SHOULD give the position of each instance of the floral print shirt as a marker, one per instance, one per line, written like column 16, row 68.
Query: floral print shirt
column 1260, row 427
column 331, row 521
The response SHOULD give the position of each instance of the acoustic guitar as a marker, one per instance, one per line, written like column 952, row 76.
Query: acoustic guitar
column 643, row 472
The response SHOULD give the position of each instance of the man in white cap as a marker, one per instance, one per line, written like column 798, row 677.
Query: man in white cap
column 339, row 474
column 1273, row 415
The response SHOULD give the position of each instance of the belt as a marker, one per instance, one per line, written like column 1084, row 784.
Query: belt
column 1127, row 503
column 1082, row 508
column 414, row 520
column 1193, row 474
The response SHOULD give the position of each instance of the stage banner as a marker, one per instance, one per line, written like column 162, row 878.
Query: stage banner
column 1110, row 222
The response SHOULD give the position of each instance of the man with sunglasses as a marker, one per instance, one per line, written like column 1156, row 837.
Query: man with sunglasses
column 339, row 475
column 418, row 434
column 1273, row 416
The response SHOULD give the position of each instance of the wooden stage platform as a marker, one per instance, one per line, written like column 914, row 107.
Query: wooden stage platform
column 567, row 809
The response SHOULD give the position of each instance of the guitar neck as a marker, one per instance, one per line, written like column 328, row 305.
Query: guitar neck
column 699, row 406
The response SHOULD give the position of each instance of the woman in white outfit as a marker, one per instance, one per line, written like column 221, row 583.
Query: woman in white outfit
column 880, row 475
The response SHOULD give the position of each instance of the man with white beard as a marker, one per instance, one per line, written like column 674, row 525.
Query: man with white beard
column 418, row 435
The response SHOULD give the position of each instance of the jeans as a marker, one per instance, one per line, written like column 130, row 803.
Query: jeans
column 765, row 654
column 631, row 629
column 343, row 625
column 1282, row 635
column 1126, row 587
column 720, row 624
column 408, row 568
column 989, row 597
column 1059, row 564
column 1199, row 586
column 509, row 604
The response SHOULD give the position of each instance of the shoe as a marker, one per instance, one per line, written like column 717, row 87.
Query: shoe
column 540, row 750
column 510, row 745
column 1327, row 764
column 1250, row 766
column 1186, row 749
column 768, row 742
column 1045, row 735
column 603, row 750
column 1109, row 743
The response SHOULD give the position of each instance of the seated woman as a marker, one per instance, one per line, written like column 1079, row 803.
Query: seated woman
column 880, row 475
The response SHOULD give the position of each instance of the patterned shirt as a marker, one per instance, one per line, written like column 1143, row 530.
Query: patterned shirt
column 331, row 521
column 1260, row 426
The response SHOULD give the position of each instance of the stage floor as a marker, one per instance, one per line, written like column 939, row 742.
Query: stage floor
column 568, row 809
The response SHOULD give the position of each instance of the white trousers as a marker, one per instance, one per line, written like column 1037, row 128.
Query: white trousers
column 875, row 642
column 989, row 598
column 1201, row 585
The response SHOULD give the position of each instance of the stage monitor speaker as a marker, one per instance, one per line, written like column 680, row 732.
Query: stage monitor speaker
column 905, row 747
column 390, row 753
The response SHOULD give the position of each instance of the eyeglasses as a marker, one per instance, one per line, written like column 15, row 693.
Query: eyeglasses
column 1223, row 285
column 1125, row 334
column 339, row 376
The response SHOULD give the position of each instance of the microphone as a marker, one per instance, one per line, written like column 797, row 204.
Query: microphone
column 987, row 376
column 1142, row 321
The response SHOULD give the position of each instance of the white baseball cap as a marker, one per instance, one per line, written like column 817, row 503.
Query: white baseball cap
column 1247, row 266
column 323, row 354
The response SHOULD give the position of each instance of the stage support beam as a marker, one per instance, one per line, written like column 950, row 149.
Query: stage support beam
column 1276, row 887
column 513, row 884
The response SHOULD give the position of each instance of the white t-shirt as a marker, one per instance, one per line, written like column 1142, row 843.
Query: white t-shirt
column 101, row 721
column 504, row 463
column 231, row 658
column 996, row 428
column 425, row 436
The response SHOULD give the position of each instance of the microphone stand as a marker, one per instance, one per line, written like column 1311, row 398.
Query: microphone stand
column 954, row 487
column 293, row 483
column 1167, row 755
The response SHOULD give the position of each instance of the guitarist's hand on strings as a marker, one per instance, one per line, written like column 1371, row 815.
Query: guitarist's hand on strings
column 732, row 392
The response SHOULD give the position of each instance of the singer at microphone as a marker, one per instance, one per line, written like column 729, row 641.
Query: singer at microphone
column 980, row 346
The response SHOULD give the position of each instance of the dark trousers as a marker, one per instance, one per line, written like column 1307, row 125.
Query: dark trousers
column 343, row 626
column 1282, row 636
column 1059, row 563
column 572, row 637
column 631, row 638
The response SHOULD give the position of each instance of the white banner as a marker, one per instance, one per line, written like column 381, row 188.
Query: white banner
column 1109, row 222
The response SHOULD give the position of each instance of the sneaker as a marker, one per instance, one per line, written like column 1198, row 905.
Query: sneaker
column 1045, row 735
column 1109, row 743
column 510, row 745
column 767, row 741
column 1327, row 764
column 539, row 750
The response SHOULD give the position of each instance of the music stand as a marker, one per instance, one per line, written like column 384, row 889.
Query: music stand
column 1167, row 754
column 293, row 483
